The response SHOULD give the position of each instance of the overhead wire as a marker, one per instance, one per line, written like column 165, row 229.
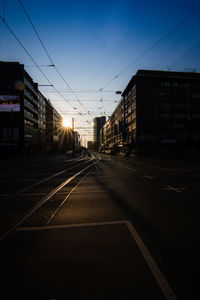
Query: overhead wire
column 85, row 100
column 45, row 49
column 173, row 29
column 34, row 62
column 32, row 59
column 185, row 54
column 84, row 91
column 4, row 9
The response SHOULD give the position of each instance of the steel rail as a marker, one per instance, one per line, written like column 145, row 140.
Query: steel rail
column 54, row 164
column 9, row 230
column 18, row 193
column 57, row 209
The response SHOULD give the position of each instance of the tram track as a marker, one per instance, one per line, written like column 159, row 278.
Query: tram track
column 27, row 188
column 43, row 165
column 25, row 213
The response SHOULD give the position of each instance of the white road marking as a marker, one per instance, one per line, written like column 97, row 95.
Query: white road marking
column 131, row 169
column 65, row 199
column 165, row 169
column 162, row 282
column 171, row 188
column 90, row 192
column 34, row 194
column 44, row 200
column 70, row 225
column 26, row 179
column 149, row 177
column 41, row 181
column 61, row 193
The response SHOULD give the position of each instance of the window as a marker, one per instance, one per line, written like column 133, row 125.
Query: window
column 15, row 134
column 165, row 84
column 195, row 95
column 28, row 113
column 27, row 122
column 6, row 134
column 196, row 116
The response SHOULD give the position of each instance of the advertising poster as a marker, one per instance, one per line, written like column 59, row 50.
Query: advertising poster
column 9, row 103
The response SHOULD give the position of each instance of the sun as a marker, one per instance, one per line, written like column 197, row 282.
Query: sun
column 66, row 123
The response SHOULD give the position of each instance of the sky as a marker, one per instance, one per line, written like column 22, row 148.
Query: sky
column 91, row 42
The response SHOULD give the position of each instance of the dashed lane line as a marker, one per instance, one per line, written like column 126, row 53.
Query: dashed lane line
column 149, row 177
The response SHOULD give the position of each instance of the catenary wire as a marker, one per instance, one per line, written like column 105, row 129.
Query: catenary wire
column 29, row 55
column 182, row 56
column 45, row 49
column 32, row 59
column 177, row 26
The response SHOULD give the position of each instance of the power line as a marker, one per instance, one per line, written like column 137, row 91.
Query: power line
column 29, row 55
column 85, row 100
column 182, row 56
column 45, row 49
column 83, row 91
column 173, row 29
column 4, row 9
column 32, row 59
column 92, row 114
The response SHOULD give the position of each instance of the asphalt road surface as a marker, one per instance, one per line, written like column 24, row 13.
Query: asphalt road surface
column 99, row 227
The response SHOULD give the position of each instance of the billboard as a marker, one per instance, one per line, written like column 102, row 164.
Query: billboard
column 9, row 103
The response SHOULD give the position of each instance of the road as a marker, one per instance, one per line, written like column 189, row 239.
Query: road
column 99, row 227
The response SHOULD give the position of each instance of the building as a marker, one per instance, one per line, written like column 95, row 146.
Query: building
column 57, row 130
column 49, row 126
column 18, row 108
column 89, row 144
column 116, row 125
column 28, row 121
column 159, row 114
column 76, row 141
column 162, row 113
column 42, row 103
column 98, row 122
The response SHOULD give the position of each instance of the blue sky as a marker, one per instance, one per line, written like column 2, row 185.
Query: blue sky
column 91, row 42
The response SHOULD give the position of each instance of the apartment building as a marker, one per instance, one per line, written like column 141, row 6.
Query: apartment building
column 28, row 121
column 18, row 107
column 98, row 122
column 159, row 114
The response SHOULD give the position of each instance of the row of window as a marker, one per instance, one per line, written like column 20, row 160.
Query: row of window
column 179, row 95
column 28, row 113
column 29, row 123
column 129, row 93
column 181, row 136
column 182, row 105
column 131, row 108
column 182, row 84
column 28, row 84
column 185, row 116
column 9, row 134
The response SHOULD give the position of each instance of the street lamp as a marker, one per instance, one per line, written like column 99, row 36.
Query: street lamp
column 40, row 66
